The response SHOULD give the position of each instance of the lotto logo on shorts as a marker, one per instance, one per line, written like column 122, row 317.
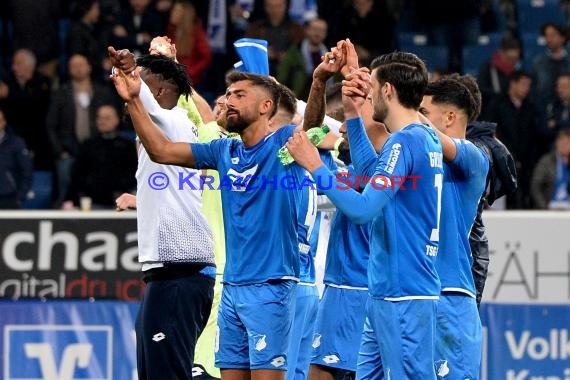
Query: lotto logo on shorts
column 278, row 362
column 59, row 352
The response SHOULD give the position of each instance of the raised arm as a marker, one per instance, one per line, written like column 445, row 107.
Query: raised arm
column 447, row 144
column 331, row 64
column 158, row 147
column 355, row 89
column 203, row 107
column 360, row 208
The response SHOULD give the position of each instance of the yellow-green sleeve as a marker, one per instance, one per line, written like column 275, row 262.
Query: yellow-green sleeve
column 191, row 110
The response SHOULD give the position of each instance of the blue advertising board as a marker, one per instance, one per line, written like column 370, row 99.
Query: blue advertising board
column 68, row 340
column 526, row 342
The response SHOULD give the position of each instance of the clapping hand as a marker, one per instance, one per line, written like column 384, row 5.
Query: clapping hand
column 355, row 89
column 122, row 59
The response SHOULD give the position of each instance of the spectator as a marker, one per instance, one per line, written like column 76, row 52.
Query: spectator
column 517, row 126
column 547, row 66
column 192, row 47
column 550, row 179
column 278, row 30
column 370, row 28
column 25, row 97
column 87, row 38
column 36, row 27
column 15, row 168
column 299, row 11
column 493, row 76
column 296, row 69
column 71, row 117
column 557, row 114
column 136, row 27
column 106, row 164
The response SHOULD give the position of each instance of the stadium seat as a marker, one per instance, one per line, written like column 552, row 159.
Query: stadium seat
column 473, row 56
column 411, row 39
column 435, row 57
column 40, row 196
column 532, row 45
column 63, row 32
column 532, row 14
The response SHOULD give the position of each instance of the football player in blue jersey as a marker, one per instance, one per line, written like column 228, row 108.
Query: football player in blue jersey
column 306, row 294
column 403, row 201
column 341, row 311
column 260, row 217
column 449, row 106
column 341, row 315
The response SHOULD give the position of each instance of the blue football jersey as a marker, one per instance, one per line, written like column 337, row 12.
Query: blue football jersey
column 348, row 249
column 464, row 181
column 260, row 200
column 403, row 199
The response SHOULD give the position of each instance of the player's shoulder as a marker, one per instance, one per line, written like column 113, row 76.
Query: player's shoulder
column 417, row 132
column 182, row 126
column 284, row 132
column 469, row 149
column 415, row 136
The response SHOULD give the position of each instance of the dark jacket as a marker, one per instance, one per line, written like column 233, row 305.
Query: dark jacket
column 61, row 117
column 15, row 167
column 104, row 169
column 518, row 129
column 151, row 23
column 501, row 180
column 26, row 108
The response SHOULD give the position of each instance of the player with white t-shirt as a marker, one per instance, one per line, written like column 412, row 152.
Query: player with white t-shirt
column 175, row 242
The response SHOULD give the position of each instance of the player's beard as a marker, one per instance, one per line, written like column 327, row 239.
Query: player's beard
column 380, row 110
column 237, row 123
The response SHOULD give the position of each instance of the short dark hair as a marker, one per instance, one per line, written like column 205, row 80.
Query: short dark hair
column 170, row 70
column 561, row 29
column 453, row 92
column 334, row 92
column 268, row 84
column 470, row 82
column 334, row 106
column 518, row 74
column 406, row 72
column 287, row 101
column 510, row 43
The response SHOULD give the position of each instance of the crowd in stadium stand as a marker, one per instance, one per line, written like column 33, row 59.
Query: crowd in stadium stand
column 54, row 75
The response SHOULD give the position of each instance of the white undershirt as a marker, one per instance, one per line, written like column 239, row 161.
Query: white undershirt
column 171, row 227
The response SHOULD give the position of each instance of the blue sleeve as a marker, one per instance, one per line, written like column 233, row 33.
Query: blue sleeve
column 469, row 160
column 207, row 155
column 282, row 134
column 362, row 153
column 328, row 160
column 392, row 169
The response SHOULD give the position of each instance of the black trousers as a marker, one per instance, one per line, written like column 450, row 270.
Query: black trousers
column 173, row 313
